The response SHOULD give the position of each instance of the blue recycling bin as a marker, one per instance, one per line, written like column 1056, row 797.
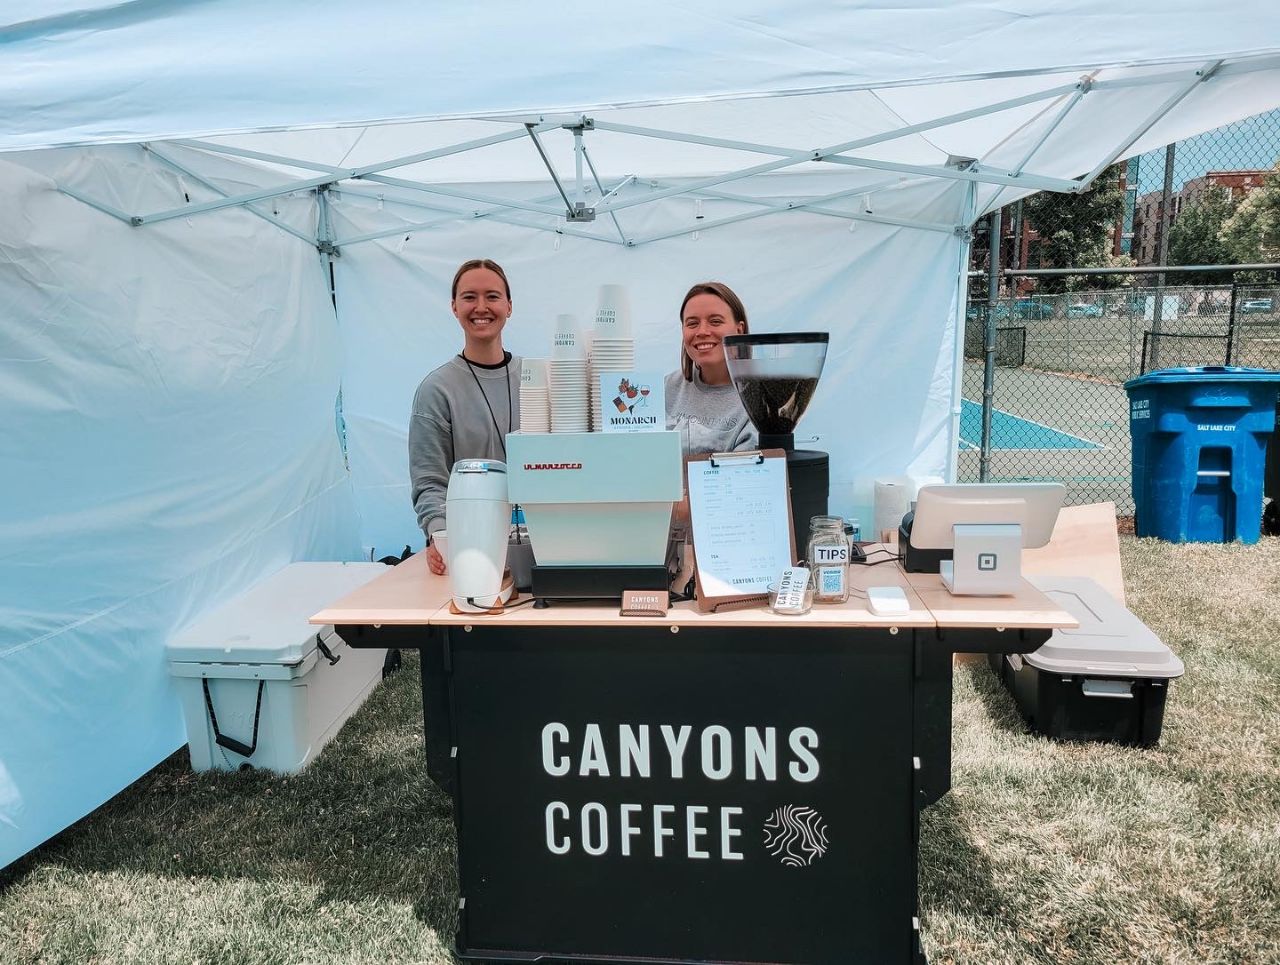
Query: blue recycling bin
column 1199, row 451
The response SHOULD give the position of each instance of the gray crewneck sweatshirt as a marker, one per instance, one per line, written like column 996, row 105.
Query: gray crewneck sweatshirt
column 450, row 421
column 712, row 415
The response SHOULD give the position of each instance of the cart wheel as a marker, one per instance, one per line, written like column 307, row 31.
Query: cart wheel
column 391, row 664
column 1271, row 518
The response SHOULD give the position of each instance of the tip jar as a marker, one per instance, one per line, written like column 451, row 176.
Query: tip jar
column 829, row 559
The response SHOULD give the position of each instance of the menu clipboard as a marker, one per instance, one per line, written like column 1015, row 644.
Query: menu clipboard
column 740, row 517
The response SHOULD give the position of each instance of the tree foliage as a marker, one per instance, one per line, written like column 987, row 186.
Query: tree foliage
column 1195, row 237
column 1075, row 229
column 1252, row 233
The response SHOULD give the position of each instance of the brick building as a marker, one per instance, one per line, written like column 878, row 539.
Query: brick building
column 1146, row 217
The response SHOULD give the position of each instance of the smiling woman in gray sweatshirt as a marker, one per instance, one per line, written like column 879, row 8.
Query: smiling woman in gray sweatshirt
column 465, row 408
column 701, row 400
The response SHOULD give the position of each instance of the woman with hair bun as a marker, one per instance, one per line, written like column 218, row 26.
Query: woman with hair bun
column 465, row 408
column 701, row 400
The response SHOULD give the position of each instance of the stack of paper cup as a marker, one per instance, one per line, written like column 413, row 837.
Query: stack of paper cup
column 535, row 400
column 567, row 378
column 613, row 349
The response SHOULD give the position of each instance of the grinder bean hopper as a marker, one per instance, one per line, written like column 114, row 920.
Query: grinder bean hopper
column 776, row 376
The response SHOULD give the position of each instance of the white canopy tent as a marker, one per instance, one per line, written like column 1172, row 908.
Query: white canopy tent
column 230, row 230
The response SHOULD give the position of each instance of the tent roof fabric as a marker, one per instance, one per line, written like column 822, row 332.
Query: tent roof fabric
column 425, row 102
column 79, row 72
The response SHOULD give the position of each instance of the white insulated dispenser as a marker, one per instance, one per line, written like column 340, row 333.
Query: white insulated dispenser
column 478, row 516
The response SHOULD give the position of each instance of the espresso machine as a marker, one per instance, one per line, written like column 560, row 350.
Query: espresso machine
column 776, row 376
column 598, row 508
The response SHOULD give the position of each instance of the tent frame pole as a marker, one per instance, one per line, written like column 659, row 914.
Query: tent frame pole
column 324, row 240
column 96, row 205
column 577, row 164
column 1245, row 65
column 853, row 145
column 337, row 174
column 769, row 208
column 973, row 172
column 1248, row 65
column 737, row 175
column 513, row 220
column 958, row 321
column 555, row 178
column 606, row 195
column 1206, row 71
column 332, row 174
column 462, row 216
column 977, row 171
column 812, row 206
column 989, row 342
column 455, row 215
column 200, row 179
column 477, row 196
column 1082, row 88
column 613, row 201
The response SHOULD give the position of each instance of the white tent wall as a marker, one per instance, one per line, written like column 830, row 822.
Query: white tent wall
column 169, row 439
column 169, row 389
column 885, row 293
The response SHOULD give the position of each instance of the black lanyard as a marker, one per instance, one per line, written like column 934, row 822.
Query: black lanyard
column 484, row 395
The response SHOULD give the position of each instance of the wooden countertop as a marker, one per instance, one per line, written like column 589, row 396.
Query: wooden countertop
column 409, row 595
column 405, row 595
column 1028, row 608
column 850, row 614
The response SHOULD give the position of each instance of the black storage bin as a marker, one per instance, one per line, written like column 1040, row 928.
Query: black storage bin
column 1106, row 681
column 1118, row 710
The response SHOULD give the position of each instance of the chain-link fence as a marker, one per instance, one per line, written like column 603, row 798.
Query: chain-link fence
column 1066, row 339
column 1060, row 411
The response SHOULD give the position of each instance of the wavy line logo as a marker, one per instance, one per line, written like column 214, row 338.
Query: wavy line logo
column 796, row 835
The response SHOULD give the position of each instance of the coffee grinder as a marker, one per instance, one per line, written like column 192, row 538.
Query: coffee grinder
column 776, row 376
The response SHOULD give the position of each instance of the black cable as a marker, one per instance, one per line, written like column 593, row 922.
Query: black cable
column 865, row 557
column 471, row 601
column 894, row 558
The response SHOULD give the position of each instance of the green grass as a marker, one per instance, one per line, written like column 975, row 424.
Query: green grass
column 1084, row 853
column 1042, row 852
column 350, row 861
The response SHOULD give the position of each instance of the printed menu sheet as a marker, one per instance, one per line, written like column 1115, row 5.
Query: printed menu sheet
column 741, row 519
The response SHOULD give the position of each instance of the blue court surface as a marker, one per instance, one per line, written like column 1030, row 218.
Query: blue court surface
column 1011, row 432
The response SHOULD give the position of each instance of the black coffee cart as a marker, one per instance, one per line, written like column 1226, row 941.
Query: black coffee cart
column 732, row 787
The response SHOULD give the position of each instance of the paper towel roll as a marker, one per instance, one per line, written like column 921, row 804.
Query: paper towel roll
column 893, row 499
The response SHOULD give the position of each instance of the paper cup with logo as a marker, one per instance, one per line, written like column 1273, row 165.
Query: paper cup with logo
column 613, row 313
column 533, row 373
column 567, row 342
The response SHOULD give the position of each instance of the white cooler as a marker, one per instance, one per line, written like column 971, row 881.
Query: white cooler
column 261, row 686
